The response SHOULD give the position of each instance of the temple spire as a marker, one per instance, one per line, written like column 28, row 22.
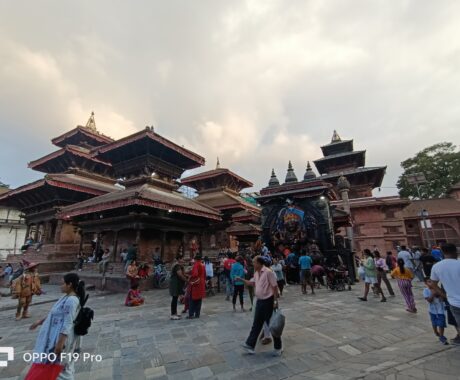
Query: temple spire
column 335, row 137
column 218, row 163
column 290, row 176
column 273, row 180
column 91, row 124
column 309, row 174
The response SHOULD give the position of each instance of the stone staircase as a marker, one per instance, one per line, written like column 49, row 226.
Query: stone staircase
column 112, row 268
column 48, row 257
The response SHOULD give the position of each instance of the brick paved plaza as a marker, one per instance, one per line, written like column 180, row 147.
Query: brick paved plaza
column 328, row 336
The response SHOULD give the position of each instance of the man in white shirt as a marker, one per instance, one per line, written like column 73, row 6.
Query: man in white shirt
column 407, row 257
column 448, row 272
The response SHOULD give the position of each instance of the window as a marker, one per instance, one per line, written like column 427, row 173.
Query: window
column 389, row 213
column 393, row 230
column 443, row 233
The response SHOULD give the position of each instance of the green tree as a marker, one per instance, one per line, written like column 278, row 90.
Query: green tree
column 441, row 165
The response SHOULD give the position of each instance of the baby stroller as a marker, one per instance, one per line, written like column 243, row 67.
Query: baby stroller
column 337, row 278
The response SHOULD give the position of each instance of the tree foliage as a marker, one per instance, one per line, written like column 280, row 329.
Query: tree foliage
column 441, row 165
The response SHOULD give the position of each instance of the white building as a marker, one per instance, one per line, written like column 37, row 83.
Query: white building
column 12, row 230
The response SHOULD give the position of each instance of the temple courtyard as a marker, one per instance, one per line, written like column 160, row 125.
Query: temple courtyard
column 329, row 336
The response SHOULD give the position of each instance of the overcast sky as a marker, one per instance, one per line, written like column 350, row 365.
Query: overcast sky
column 254, row 82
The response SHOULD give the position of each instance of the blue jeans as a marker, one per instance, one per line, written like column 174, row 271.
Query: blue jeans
column 228, row 287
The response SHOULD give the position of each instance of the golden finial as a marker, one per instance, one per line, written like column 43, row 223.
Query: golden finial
column 218, row 163
column 91, row 124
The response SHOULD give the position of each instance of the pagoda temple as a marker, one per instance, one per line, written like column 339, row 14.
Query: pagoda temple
column 149, row 211
column 341, row 159
column 73, row 174
column 220, row 188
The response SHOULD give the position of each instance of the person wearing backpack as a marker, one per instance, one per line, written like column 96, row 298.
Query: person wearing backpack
column 57, row 333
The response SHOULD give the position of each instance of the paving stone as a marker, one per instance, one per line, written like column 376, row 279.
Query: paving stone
column 327, row 337
column 350, row 350
column 201, row 373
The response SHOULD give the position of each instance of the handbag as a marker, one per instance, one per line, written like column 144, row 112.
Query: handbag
column 277, row 322
column 41, row 371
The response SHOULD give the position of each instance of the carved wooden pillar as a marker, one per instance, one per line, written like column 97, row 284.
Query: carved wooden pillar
column 27, row 233
column 82, row 238
column 36, row 232
column 115, row 245
column 57, row 235
column 163, row 244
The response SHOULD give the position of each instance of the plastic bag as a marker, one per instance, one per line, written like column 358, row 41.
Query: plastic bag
column 40, row 371
column 277, row 322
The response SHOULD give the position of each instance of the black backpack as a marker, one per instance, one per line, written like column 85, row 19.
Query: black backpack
column 83, row 321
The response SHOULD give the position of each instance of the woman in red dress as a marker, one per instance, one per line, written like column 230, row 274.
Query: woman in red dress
column 197, row 286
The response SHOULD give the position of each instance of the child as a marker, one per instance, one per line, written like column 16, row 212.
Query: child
column 438, row 317
column 24, row 288
column 134, row 297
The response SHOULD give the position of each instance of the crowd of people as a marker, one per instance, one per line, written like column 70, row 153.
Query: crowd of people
column 263, row 276
column 430, row 268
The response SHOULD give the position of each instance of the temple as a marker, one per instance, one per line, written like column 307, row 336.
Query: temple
column 73, row 174
column 149, row 211
column 341, row 159
column 220, row 188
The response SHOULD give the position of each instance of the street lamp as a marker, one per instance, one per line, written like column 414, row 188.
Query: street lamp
column 416, row 179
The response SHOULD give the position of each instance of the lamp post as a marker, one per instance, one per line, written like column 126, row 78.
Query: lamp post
column 418, row 179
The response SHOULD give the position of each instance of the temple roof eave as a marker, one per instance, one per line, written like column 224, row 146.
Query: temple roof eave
column 70, row 150
column 378, row 172
column 357, row 158
column 99, row 137
column 142, row 196
column 193, row 180
column 65, row 181
column 344, row 145
column 195, row 160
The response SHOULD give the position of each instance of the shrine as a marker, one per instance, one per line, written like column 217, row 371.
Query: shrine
column 220, row 188
column 297, row 214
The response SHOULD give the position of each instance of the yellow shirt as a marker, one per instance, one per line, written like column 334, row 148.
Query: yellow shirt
column 407, row 275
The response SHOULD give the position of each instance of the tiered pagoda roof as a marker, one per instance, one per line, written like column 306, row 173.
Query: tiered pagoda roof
column 340, row 158
column 220, row 188
column 149, row 165
column 71, row 156
column 87, row 136
column 146, row 152
column 216, row 179
column 54, row 191
column 74, row 174
column 144, row 196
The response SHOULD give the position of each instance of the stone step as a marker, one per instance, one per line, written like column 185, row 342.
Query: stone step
column 111, row 282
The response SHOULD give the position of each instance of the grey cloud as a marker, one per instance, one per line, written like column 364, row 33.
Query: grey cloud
column 255, row 82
